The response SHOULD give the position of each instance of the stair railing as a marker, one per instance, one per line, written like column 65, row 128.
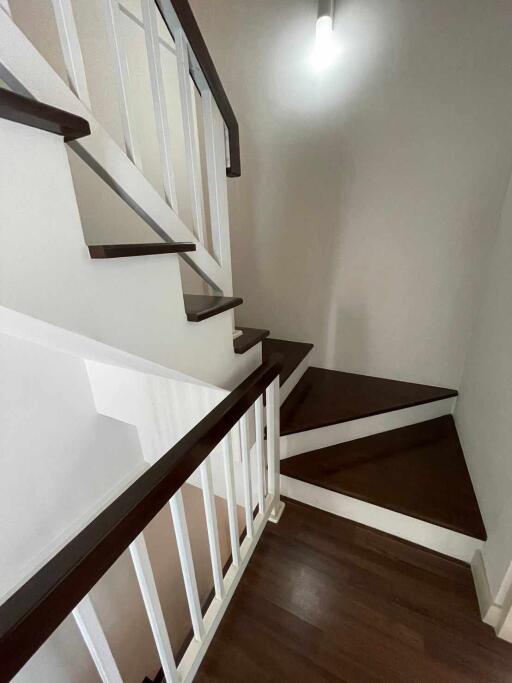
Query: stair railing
column 26, row 71
column 62, row 586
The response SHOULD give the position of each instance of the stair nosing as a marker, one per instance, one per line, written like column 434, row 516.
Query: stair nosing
column 209, row 312
column 239, row 348
column 108, row 251
column 329, row 423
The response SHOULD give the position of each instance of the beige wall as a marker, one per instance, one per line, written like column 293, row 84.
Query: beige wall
column 369, row 193
column 484, row 409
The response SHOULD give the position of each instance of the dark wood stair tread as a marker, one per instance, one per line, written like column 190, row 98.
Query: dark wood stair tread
column 419, row 471
column 98, row 251
column 202, row 306
column 326, row 397
column 292, row 352
column 30, row 112
column 250, row 337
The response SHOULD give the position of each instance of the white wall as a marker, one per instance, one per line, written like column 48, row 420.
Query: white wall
column 369, row 193
column 133, row 304
column 484, row 408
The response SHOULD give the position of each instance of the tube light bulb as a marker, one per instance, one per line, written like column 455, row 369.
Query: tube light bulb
column 324, row 44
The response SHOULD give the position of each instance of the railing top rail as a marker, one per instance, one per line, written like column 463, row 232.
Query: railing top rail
column 31, row 614
column 183, row 12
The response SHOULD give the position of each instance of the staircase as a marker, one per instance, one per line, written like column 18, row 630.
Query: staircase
column 380, row 452
column 227, row 413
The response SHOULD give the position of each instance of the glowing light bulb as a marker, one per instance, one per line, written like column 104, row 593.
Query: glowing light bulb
column 325, row 50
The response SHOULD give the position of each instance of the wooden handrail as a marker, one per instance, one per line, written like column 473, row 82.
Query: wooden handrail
column 31, row 614
column 188, row 22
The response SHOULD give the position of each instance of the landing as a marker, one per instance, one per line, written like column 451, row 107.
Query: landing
column 325, row 599
column 325, row 397
column 419, row 471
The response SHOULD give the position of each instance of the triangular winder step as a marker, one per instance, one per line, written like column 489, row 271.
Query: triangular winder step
column 417, row 471
column 328, row 397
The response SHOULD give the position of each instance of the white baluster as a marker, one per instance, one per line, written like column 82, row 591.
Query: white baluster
column 211, row 525
column 159, row 102
column 216, row 172
column 187, row 563
column 246, row 470
column 189, row 126
column 142, row 565
column 113, row 24
column 260, row 454
column 273, row 457
column 71, row 50
column 231, row 499
column 94, row 637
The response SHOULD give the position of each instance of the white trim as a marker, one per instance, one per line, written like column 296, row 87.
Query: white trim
column 312, row 439
column 497, row 612
column 489, row 610
column 294, row 378
column 428, row 535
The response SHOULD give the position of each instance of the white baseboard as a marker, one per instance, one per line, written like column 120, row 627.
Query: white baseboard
column 310, row 440
column 497, row 615
column 489, row 610
column 293, row 379
column 430, row 536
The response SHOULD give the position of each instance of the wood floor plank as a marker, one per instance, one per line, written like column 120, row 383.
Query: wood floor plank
column 325, row 599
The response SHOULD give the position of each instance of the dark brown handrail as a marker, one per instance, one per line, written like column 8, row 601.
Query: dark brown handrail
column 188, row 22
column 31, row 614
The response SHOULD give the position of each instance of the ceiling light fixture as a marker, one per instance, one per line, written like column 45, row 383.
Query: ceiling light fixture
column 324, row 44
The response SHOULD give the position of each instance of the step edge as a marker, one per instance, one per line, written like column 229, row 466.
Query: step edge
column 392, row 508
column 319, row 424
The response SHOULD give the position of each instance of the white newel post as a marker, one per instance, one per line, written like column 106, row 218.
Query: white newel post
column 273, row 453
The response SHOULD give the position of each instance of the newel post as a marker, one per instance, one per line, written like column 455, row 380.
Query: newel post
column 273, row 451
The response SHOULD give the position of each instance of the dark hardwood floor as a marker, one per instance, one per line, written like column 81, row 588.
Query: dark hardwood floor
column 325, row 599
column 325, row 397
column 413, row 470
column 292, row 353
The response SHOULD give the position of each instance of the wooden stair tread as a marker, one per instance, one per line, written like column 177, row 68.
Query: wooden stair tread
column 419, row 471
column 199, row 307
column 292, row 352
column 326, row 397
column 99, row 251
column 30, row 112
column 250, row 337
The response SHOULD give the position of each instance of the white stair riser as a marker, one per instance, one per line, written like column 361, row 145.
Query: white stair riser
column 294, row 378
column 428, row 535
column 312, row 439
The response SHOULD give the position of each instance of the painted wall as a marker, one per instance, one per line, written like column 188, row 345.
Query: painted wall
column 369, row 192
column 484, row 408
column 132, row 304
